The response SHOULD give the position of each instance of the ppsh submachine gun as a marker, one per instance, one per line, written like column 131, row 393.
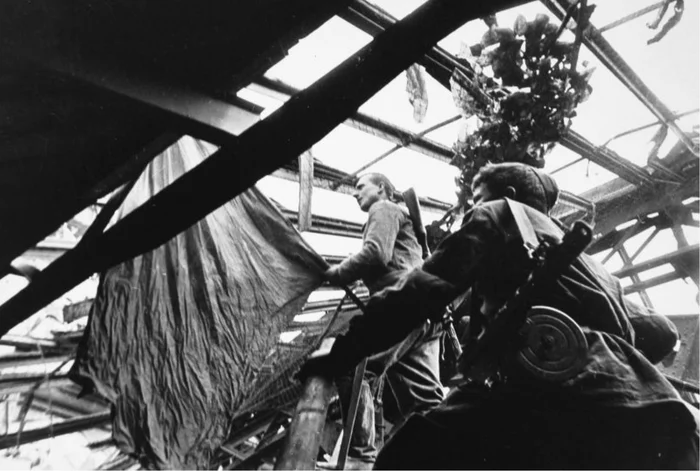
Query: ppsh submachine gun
column 546, row 342
column 552, row 345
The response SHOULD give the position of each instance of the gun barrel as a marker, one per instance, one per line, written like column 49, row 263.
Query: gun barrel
column 454, row 340
column 411, row 200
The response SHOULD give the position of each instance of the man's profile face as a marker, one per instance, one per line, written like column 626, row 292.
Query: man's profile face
column 367, row 193
column 482, row 193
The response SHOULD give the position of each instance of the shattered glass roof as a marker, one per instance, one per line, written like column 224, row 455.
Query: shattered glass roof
column 670, row 68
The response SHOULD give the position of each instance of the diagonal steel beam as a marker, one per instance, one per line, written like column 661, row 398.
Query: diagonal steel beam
column 606, row 158
column 175, row 107
column 132, row 167
column 642, row 286
column 609, row 57
column 371, row 19
column 611, row 239
column 198, row 109
column 618, row 202
column 324, row 177
column 202, row 109
column 673, row 257
column 647, row 126
column 270, row 144
column 398, row 146
column 624, row 235
column 646, row 300
column 193, row 112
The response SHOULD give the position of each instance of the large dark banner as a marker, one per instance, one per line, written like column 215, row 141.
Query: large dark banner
column 177, row 336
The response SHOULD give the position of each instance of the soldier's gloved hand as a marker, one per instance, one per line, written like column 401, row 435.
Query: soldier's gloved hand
column 322, row 365
column 332, row 275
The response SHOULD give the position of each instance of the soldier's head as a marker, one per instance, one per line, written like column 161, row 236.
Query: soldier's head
column 372, row 187
column 519, row 182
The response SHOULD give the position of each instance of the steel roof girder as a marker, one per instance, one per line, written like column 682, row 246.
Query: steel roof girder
column 610, row 58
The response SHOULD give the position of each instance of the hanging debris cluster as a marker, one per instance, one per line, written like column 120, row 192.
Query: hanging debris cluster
column 523, row 93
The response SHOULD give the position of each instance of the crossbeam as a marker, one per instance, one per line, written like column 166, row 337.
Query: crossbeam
column 297, row 125
column 617, row 203
column 440, row 64
column 642, row 286
column 673, row 257
column 613, row 238
column 325, row 225
column 194, row 112
column 606, row 158
column 329, row 178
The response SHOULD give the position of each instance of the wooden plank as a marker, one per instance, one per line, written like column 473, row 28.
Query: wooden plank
column 349, row 427
column 55, row 430
column 255, row 427
column 304, row 435
column 306, row 188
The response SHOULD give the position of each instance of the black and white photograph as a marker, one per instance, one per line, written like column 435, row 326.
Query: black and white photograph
column 349, row 234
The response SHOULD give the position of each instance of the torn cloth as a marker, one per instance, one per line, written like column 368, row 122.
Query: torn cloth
column 177, row 336
column 417, row 92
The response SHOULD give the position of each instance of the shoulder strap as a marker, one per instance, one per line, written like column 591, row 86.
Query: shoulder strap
column 522, row 221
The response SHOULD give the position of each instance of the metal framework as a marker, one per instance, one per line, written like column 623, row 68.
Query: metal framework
column 607, row 55
column 248, row 154
column 221, row 122
column 440, row 64
column 233, row 168
column 363, row 122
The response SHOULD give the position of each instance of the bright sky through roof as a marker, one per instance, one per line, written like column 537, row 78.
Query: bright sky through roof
column 610, row 110
column 670, row 68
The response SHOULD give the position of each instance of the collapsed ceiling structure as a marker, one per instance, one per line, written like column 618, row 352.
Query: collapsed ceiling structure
column 92, row 92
